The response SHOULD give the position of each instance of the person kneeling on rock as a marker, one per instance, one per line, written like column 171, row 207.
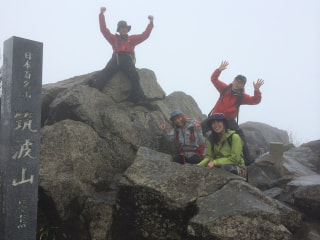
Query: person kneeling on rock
column 187, row 138
column 224, row 147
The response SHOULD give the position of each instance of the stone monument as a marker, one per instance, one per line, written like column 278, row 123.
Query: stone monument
column 20, row 138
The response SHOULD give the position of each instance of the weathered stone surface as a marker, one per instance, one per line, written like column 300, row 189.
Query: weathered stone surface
column 180, row 100
column 50, row 92
column 304, row 193
column 173, row 201
column 102, row 132
column 151, row 89
column 290, row 179
column 239, row 211
column 310, row 230
column 20, row 138
column 98, row 213
column 259, row 136
column 74, row 164
column 300, row 161
column 275, row 171
column 314, row 161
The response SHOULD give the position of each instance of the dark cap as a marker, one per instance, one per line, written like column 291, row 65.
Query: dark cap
column 123, row 24
column 216, row 116
column 175, row 113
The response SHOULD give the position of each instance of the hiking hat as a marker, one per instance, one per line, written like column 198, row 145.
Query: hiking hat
column 175, row 113
column 216, row 116
column 123, row 24
column 242, row 78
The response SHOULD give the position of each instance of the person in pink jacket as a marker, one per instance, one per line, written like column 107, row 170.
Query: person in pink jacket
column 123, row 57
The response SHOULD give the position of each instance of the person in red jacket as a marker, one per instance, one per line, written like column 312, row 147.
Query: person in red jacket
column 123, row 57
column 231, row 97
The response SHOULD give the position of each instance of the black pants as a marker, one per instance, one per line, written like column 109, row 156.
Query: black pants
column 124, row 63
column 195, row 159
column 230, row 168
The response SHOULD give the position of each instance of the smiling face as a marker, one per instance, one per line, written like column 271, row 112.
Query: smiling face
column 218, row 126
column 179, row 120
column 237, row 85
column 123, row 30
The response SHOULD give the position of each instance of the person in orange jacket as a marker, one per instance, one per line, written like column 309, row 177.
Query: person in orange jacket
column 231, row 97
column 123, row 57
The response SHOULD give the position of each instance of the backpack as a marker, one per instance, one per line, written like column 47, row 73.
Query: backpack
column 247, row 161
column 238, row 102
column 244, row 170
column 200, row 151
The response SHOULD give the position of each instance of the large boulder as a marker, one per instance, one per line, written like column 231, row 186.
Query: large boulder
column 159, row 199
column 292, row 178
column 277, row 170
column 315, row 148
column 89, row 138
column 68, row 174
column 259, row 136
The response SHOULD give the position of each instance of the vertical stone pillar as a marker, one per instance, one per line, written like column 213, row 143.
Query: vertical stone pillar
column 276, row 149
column 20, row 138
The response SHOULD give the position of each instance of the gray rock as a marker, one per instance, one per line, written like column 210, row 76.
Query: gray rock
column 180, row 100
column 259, row 135
column 67, row 172
column 276, row 171
column 303, row 156
column 304, row 194
column 315, row 147
column 239, row 211
column 90, row 138
column 173, row 201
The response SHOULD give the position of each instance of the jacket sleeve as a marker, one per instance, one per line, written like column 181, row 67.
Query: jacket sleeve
column 235, row 157
column 251, row 100
column 105, row 31
column 219, row 85
column 199, row 136
column 170, row 136
column 207, row 156
column 139, row 38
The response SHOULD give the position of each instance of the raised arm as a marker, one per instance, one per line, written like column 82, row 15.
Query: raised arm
column 219, row 85
column 223, row 66
column 258, row 84
column 136, row 39
column 103, row 27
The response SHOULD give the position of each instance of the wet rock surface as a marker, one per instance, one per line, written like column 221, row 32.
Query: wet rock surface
column 106, row 172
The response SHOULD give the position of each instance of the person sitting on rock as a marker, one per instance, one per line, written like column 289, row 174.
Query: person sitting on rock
column 123, row 57
column 224, row 147
column 187, row 138
column 231, row 97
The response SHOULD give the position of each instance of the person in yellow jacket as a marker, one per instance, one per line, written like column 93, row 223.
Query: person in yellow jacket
column 223, row 147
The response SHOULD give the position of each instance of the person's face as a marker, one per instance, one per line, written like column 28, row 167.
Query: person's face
column 218, row 126
column 178, row 120
column 123, row 30
column 237, row 85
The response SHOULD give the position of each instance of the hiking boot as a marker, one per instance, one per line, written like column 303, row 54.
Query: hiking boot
column 94, row 84
column 230, row 168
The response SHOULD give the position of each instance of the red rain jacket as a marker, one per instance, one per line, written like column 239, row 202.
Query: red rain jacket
column 227, row 106
column 120, row 46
